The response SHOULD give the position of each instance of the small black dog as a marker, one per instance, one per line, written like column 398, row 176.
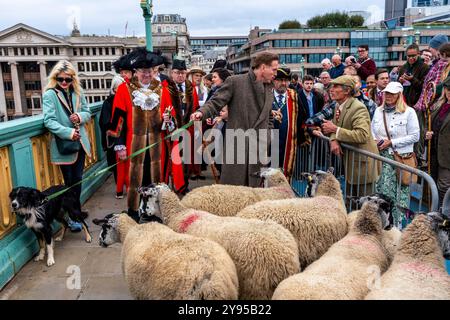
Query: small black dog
column 38, row 215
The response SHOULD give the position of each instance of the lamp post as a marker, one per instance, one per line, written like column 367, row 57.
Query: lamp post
column 175, row 55
column 417, row 36
column 147, row 8
column 302, row 66
column 338, row 50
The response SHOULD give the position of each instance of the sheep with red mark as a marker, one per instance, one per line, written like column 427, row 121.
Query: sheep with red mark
column 418, row 271
column 264, row 252
column 228, row 200
column 160, row 264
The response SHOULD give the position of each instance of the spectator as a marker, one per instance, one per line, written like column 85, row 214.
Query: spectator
column 369, row 103
column 105, row 118
column 351, row 125
column 65, row 116
column 295, row 84
column 365, row 65
column 350, row 71
column 382, row 78
column 325, row 79
column 207, row 81
column 403, row 131
column 338, row 67
column 218, row 78
column 371, row 82
column 412, row 74
column 326, row 64
column 440, row 141
column 309, row 103
column 249, row 107
column 427, row 57
column 196, row 74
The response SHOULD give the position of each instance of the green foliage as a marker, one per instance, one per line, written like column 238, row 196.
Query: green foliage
column 335, row 20
column 290, row 24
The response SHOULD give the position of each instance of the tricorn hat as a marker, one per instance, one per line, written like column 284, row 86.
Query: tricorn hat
column 179, row 64
column 141, row 58
column 123, row 63
column 283, row 73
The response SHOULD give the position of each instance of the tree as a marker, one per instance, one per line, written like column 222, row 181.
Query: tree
column 335, row 20
column 290, row 24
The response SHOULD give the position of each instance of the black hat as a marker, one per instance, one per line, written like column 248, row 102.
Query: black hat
column 283, row 73
column 221, row 63
column 123, row 63
column 179, row 64
column 141, row 58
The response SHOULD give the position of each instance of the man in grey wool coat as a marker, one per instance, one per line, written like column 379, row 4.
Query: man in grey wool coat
column 249, row 98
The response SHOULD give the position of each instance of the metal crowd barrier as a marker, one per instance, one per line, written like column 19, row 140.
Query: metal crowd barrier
column 422, row 194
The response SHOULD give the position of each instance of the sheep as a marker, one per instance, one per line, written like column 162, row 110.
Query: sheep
column 390, row 238
column 264, row 252
column 418, row 270
column 342, row 272
column 316, row 223
column 160, row 264
column 228, row 200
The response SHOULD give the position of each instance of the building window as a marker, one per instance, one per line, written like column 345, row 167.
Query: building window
column 159, row 30
column 108, row 83
column 30, row 67
column 97, row 98
column 8, row 86
column 29, row 51
column 6, row 68
column 29, row 103
column 318, row 57
column 81, row 67
column 51, row 51
column 101, row 66
column 32, row 85
column 323, row 43
column 37, row 103
column 10, row 104
column 95, row 84
column 290, row 58
column 94, row 66
column 100, row 51
column 22, row 51
column 113, row 51
column 88, row 67
column 94, row 51
column 83, row 84
column 108, row 66
column 107, row 51
column 288, row 43
column 57, row 51
column 75, row 52
column 16, row 52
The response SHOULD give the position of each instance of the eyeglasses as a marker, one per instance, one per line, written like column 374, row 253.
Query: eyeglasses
column 412, row 55
column 178, row 73
column 361, row 50
column 66, row 80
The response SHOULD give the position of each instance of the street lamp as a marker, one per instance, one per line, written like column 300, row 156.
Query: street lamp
column 147, row 8
column 175, row 33
column 302, row 66
column 417, row 35
column 338, row 50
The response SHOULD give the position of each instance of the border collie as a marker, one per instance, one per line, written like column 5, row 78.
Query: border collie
column 38, row 215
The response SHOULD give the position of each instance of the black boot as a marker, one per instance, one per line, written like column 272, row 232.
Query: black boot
column 133, row 215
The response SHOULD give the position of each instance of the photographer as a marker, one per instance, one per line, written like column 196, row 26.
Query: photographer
column 365, row 65
column 412, row 75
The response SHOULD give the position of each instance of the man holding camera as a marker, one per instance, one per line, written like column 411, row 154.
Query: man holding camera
column 412, row 75
column 365, row 65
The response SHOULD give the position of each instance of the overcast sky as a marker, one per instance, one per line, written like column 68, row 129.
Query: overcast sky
column 204, row 17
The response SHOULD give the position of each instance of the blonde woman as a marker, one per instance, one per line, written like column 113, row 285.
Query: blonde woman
column 65, row 115
column 403, row 127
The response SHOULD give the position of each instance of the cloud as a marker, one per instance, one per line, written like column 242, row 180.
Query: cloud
column 204, row 17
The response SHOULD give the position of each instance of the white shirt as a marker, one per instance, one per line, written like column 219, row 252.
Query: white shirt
column 403, row 128
column 201, row 102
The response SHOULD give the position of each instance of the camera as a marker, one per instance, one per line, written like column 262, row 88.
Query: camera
column 353, row 60
column 380, row 143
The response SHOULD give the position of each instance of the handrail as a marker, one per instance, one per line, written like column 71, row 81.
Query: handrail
column 426, row 176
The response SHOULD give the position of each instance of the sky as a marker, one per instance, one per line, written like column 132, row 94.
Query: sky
column 204, row 17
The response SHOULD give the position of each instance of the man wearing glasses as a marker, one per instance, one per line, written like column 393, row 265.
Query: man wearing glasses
column 365, row 66
column 412, row 75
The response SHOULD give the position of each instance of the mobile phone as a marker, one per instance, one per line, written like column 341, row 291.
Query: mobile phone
column 353, row 60
column 380, row 143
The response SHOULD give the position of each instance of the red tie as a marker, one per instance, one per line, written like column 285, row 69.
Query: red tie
column 338, row 114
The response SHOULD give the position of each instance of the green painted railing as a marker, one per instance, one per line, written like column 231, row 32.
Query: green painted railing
column 24, row 144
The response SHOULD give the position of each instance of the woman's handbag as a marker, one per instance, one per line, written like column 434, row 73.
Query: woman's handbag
column 410, row 160
column 66, row 147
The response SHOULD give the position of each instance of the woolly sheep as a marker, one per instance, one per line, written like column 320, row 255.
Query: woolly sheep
column 316, row 223
column 264, row 252
column 228, row 200
column 418, row 270
column 342, row 272
column 160, row 264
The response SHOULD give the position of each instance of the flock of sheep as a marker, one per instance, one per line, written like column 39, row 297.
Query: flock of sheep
column 231, row 242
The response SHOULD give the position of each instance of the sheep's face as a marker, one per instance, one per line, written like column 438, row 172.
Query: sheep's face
column 272, row 177
column 109, row 233
column 149, row 209
column 441, row 225
column 384, row 208
column 314, row 180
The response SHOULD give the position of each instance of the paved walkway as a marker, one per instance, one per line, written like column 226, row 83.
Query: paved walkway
column 99, row 269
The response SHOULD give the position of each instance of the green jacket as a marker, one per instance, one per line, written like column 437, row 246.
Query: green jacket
column 58, row 123
column 355, row 130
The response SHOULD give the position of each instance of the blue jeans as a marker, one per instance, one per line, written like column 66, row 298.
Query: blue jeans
column 73, row 173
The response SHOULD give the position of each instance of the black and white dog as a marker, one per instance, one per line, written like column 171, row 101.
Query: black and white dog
column 38, row 215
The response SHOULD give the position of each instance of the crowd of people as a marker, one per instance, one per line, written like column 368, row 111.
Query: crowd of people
column 353, row 102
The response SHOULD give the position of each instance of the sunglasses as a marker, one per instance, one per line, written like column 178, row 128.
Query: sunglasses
column 66, row 80
column 412, row 55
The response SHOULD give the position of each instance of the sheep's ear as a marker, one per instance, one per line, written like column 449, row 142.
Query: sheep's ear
column 330, row 170
column 308, row 176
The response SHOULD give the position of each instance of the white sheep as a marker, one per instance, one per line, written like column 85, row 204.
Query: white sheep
column 343, row 272
column 316, row 223
column 418, row 270
column 264, row 252
column 228, row 200
column 160, row 264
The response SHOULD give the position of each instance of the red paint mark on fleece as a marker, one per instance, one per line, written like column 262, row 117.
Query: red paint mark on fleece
column 186, row 223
